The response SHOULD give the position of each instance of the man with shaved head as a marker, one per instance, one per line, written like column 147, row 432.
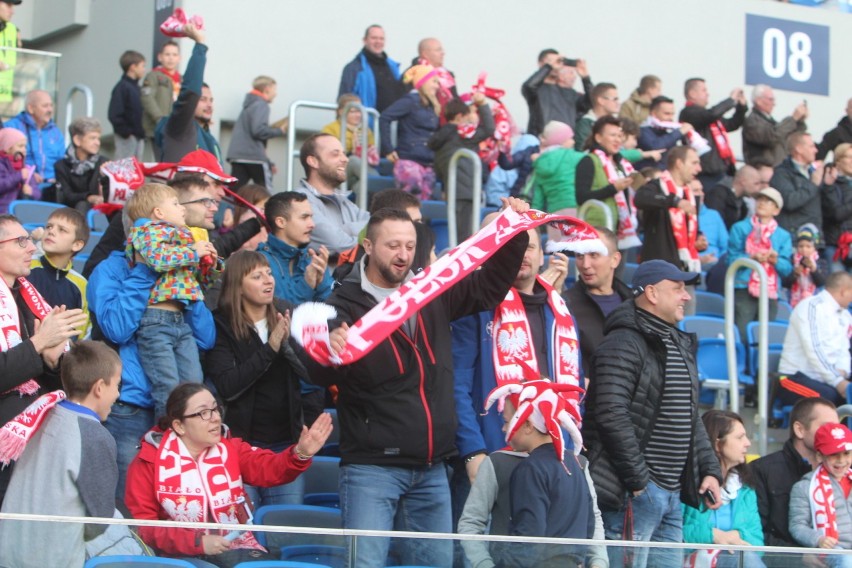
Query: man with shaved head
column 431, row 52
column 729, row 199
column 45, row 142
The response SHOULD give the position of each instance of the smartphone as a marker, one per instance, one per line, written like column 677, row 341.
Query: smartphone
column 710, row 497
column 569, row 62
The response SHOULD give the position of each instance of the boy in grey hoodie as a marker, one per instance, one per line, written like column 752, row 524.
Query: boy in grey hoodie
column 247, row 152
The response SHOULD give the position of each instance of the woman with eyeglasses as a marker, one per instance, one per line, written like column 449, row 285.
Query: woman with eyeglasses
column 190, row 469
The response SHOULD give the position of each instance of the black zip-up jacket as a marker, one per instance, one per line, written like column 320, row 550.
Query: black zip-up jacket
column 834, row 137
column 254, row 379
column 701, row 118
column 774, row 477
column 590, row 318
column 548, row 101
column 396, row 405
column 125, row 108
column 659, row 241
column 623, row 405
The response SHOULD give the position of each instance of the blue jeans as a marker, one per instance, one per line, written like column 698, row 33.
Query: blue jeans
column 657, row 517
column 168, row 353
column 383, row 498
column 127, row 424
column 292, row 493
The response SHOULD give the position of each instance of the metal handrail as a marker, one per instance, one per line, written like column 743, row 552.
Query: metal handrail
column 761, row 382
column 361, row 197
column 88, row 97
column 452, row 182
column 597, row 204
column 292, row 151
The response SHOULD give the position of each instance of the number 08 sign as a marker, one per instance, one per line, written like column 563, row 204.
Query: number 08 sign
column 787, row 55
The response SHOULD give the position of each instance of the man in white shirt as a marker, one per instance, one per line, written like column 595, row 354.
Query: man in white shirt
column 816, row 348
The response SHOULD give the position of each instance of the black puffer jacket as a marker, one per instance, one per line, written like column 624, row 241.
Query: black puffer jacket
column 396, row 405
column 622, row 408
column 802, row 202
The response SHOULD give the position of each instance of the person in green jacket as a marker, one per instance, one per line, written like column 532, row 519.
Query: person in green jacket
column 552, row 187
column 737, row 521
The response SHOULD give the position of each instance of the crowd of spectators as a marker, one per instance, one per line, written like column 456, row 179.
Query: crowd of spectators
column 196, row 298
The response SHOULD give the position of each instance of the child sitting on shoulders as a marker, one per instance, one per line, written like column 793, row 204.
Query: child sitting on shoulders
column 161, row 239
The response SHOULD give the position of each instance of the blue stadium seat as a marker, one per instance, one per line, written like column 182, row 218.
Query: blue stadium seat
column 94, row 239
column 321, row 482
column 279, row 564
column 709, row 304
column 32, row 214
column 434, row 210
column 298, row 516
column 712, row 357
column 784, row 311
column 627, row 272
column 777, row 331
column 140, row 561
column 334, row 556
column 96, row 220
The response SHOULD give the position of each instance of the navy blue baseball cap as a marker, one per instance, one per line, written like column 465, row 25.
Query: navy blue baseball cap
column 655, row 271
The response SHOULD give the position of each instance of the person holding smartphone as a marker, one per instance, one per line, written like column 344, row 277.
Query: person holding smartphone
column 550, row 98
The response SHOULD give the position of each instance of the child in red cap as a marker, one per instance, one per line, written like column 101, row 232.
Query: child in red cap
column 820, row 504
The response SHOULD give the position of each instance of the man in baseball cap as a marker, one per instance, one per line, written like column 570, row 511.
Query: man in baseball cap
column 643, row 433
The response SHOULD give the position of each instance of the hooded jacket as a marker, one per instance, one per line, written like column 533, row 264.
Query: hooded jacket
column 396, row 405
column 629, row 376
column 252, row 130
column 288, row 264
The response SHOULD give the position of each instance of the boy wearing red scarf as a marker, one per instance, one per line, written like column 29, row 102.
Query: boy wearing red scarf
column 820, row 504
column 762, row 239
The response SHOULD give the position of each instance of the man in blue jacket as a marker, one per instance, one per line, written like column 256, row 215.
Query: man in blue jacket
column 45, row 142
column 372, row 75
column 118, row 295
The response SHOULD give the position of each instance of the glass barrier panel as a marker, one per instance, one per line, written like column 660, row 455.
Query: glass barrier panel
column 22, row 71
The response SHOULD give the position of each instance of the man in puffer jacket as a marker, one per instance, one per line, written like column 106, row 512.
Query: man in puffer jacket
column 647, row 446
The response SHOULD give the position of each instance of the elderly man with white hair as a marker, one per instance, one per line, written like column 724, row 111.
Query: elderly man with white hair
column 764, row 138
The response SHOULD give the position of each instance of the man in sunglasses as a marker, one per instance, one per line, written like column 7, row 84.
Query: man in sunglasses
column 32, row 336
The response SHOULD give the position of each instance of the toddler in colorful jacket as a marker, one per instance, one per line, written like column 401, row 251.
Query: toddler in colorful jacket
column 161, row 239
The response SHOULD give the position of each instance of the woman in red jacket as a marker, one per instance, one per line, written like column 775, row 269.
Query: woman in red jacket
column 190, row 469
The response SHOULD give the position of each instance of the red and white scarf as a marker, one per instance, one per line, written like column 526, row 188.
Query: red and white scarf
column 628, row 222
column 196, row 491
column 10, row 325
column 15, row 434
column 720, row 138
column 684, row 227
column 759, row 241
column 804, row 286
column 309, row 324
column 174, row 76
column 821, row 497
column 511, row 339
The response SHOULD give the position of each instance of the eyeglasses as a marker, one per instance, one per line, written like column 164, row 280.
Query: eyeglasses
column 205, row 414
column 205, row 201
column 22, row 241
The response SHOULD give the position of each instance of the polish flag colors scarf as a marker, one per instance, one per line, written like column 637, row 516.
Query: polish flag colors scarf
column 195, row 491
column 821, row 496
column 309, row 324
column 720, row 138
column 804, row 286
column 10, row 324
column 512, row 340
column 684, row 227
column 759, row 241
column 15, row 434
column 627, row 220
column 696, row 141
